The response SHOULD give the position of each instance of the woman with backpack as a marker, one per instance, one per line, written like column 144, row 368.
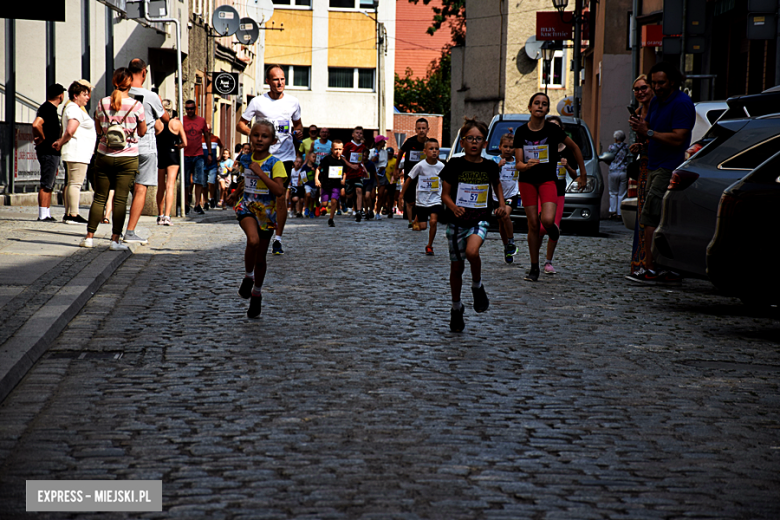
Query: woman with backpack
column 120, row 122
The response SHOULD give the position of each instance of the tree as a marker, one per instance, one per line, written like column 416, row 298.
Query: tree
column 430, row 94
column 453, row 11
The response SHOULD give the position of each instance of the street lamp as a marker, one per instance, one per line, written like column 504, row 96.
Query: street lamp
column 560, row 5
column 548, row 52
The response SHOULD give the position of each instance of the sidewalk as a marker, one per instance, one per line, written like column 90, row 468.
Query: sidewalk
column 46, row 278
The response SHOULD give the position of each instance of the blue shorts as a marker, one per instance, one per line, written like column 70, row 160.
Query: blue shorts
column 457, row 238
column 211, row 176
column 193, row 167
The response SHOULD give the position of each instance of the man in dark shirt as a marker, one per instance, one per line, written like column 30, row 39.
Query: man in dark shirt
column 412, row 152
column 46, row 130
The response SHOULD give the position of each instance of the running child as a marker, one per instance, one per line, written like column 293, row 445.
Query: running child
column 466, row 185
column 369, row 185
column 225, row 166
column 353, row 153
column 428, row 197
column 329, row 177
column 379, row 158
column 392, row 179
column 310, row 198
column 262, row 182
column 410, row 154
column 295, row 189
column 509, row 177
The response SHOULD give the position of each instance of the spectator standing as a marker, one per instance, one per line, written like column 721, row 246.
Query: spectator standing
column 147, row 147
column 46, row 130
column 618, row 177
column 285, row 111
column 194, row 170
column 214, row 150
column 644, row 95
column 668, row 131
column 170, row 139
column 120, row 124
column 77, row 145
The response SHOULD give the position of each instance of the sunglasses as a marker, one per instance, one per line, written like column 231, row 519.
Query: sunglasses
column 643, row 88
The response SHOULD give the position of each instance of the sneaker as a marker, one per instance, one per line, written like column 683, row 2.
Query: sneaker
column 548, row 268
column 213, row 203
column 429, row 250
column 389, row 215
column 299, row 215
column 245, row 291
column 118, row 246
column 377, row 217
column 277, row 249
column 78, row 219
column 369, row 215
column 167, row 221
column 87, row 242
column 481, row 302
column 409, row 226
column 160, row 220
column 338, row 212
column 655, row 278
column 554, row 233
column 199, row 210
column 456, row 319
column 532, row 275
column 508, row 256
column 330, row 223
column 132, row 238
column 306, row 213
column 206, row 206
column 47, row 219
column 516, row 249
column 669, row 278
column 255, row 306
column 358, row 216
column 313, row 214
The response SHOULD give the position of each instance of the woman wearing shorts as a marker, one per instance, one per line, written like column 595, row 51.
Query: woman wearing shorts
column 536, row 152
column 170, row 139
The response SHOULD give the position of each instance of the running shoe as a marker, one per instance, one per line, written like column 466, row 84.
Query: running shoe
column 481, row 302
column 213, row 203
column 358, row 216
column 409, row 226
column 313, row 215
column 508, row 253
column 199, row 210
column 330, row 223
column 160, row 220
column 389, row 215
column 78, row 220
column 255, row 306
column 369, row 215
column 245, row 291
column 554, row 233
column 377, row 217
column 649, row 277
column 456, row 319
column 429, row 250
column 548, row 268
column 118, row 246
column 47, row 219
column 167, row 221
column 132, row 238
column 87, row 242
column 338, row 212
column 206, row 206
column 532, row 275
column 306, row 213
column 299, row 215
column 277, row 248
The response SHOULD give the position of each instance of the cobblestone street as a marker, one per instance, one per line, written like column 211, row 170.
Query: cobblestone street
column 581, row 396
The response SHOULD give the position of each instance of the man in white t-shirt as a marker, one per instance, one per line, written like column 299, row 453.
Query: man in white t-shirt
column 147, row 147
column 285, row 111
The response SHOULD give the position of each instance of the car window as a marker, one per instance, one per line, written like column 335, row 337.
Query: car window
column 576, row 132
column 767, row 173
column 713, row 115
column 753, row 156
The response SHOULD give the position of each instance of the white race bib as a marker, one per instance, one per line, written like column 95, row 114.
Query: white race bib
column 509, row 173
column 250, row 185
column 541, row 152
column 283, row 126
column 472, row 196
column 428, row 184
column 355, row 157
column 561, row 172
column 415, row 155
column 335, row 172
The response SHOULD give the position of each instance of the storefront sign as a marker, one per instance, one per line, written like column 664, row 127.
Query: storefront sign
column 652, row 35
column 550, row 26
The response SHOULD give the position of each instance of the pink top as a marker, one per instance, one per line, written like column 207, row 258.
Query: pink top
column 134, row 114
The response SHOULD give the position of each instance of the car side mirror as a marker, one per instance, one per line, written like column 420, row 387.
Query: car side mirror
column 607, row 157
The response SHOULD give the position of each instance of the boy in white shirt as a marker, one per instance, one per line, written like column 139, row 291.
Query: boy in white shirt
column 509, row 178
column 428, row 199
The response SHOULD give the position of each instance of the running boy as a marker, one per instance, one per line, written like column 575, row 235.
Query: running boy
column 428, row 198
column 411, row 153
column 262, row 182
column 310, row 186
column 509, row 178
column 466, row 183
column 353, row 187
column 329, row 176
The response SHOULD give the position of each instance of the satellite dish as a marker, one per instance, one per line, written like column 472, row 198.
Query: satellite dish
column 533, row 48
column 225, row 20
column 260, row 10
column 248, row 32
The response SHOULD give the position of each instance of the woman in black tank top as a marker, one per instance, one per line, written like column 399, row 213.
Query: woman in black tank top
column 169, row 141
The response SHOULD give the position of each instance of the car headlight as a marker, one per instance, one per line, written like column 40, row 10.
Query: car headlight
column 590, row 186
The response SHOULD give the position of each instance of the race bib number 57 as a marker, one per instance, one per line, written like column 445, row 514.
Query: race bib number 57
column 472, row 196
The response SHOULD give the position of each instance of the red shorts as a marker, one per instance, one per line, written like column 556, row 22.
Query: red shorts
column 544, row 192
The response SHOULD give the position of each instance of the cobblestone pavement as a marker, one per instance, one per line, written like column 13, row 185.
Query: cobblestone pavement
column 578, row 397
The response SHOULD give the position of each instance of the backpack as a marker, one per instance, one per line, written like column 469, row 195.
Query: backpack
column 116, row 138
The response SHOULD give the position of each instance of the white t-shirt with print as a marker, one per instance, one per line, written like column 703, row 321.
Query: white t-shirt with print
column 428, row 184
column 282, row 112
column 82, row 145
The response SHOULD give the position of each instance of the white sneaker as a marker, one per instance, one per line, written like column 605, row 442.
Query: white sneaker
column 87, row 242
column 167, row 221
column 118, row 246
column 377, row 216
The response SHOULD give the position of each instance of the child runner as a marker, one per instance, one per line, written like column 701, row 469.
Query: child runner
column 369, row 185
column 329, row 176
column 536, row 152
column 263, row 181
column 428, row 198
column 225, row 166
column 509, row 177
column 411, row 153
column 295, row 183
column 564, row 165
column 379, row 158
column 353, row 153
column 466, row 183
column 310, row 199
column 392, row 178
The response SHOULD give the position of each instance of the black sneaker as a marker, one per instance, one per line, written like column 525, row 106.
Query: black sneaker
column 255, row 306
column 199, row 210
column 213, row 203
column 481, row 302
column 369, row 215
column 554, row 233
column 245, row 291
column 358, row 216
column 532, row 275
column 206, row 206
column 187, row 210
column 330, row 223
column 456, row 319
column 47, row 219
column 508, row 256
column 277, row 248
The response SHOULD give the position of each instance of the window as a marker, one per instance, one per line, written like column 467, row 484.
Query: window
column 296, row 76
column 557, row 71
column 299, row 3
column 354, row 79
column 351, row 4
column 749, row 159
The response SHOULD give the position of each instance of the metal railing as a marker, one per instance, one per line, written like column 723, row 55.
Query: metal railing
column 26, row 108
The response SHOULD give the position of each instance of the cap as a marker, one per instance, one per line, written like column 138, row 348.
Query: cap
column 52, row 91
column 85, row 83
column 390, row 150
column 380, row 138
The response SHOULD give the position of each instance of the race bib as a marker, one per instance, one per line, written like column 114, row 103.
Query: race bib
column 428, row 184
column 509, row 173
column 318, row 156
column 355, row 157
column 283, row 126
column 561, row 172
column 472, row 196
column 335, row 172
column 541, row 152
column 415, row 156
column 250, row 185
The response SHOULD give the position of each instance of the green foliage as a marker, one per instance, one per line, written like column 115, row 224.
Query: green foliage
column 430, row 94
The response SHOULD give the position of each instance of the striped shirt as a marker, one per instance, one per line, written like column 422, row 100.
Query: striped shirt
column 134, row 114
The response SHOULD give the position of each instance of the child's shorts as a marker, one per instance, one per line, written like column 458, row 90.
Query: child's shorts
column 457, row 238
column 330, row 194
column 422, row 213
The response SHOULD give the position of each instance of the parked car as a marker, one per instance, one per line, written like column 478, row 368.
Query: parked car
column 444, row 154
column 707, row 112
column 746, row 228
column 689, row 215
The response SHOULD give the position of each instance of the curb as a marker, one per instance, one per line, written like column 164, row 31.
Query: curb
column 32, row 340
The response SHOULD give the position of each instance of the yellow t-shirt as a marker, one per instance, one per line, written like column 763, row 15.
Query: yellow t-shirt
column 390, row 170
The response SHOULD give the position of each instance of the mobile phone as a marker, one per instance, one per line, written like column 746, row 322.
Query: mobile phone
column 631, row 110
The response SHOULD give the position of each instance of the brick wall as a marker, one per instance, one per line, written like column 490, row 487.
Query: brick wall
column 404, row 124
